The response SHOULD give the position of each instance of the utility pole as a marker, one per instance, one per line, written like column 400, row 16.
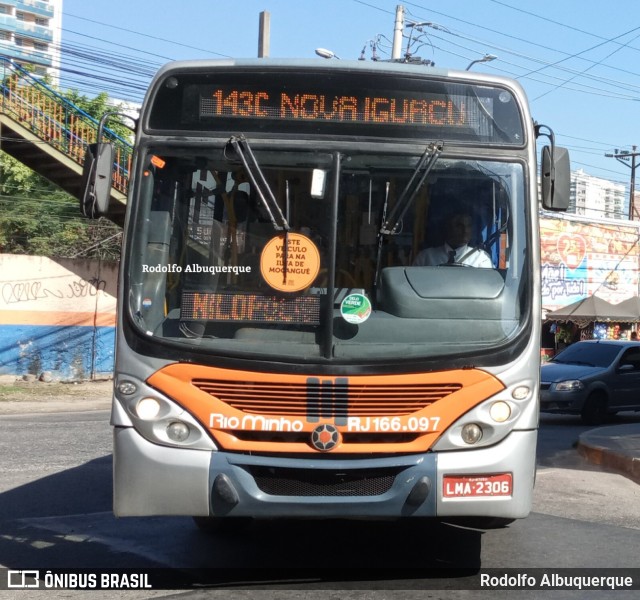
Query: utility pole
column 398, row 30
column 264, row 34
column 624, row 156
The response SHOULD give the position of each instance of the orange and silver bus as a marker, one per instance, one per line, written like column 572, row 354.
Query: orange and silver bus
column 282, row 348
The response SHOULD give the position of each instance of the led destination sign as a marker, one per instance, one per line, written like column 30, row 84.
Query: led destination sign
column 251, row 308
column 306, row 105
column 350, row 103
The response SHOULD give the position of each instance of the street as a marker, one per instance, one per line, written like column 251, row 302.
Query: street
column 55, row 512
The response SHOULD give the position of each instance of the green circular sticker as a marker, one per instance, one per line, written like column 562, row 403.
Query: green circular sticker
column 355, row 308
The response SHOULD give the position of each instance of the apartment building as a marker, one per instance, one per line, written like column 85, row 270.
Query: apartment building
column 30, row 32
column 597, row 198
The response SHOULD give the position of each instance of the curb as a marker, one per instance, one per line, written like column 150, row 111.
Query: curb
column 52, row 406
column 615, row 448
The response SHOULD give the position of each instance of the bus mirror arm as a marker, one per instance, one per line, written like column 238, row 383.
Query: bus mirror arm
column 555, row 173
column 97, row 171
column 96, row 180
column 106, row 116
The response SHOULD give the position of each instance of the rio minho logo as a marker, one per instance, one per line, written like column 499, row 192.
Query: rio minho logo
column 25, row 578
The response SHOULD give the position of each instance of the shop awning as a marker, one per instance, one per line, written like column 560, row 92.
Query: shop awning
column 631, row 306
column 594, row 308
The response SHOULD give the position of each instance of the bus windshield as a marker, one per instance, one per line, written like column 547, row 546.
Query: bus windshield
column 312, row 274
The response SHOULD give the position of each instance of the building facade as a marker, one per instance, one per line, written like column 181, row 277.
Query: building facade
column 597, row 198
column 30, row 32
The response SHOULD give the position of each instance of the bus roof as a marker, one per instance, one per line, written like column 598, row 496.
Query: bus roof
column 328, row 65
column 382, row 99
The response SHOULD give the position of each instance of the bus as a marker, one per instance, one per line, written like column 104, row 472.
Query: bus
column 280, row 351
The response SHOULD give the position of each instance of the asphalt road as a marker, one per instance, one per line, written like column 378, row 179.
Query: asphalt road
column 55, row 512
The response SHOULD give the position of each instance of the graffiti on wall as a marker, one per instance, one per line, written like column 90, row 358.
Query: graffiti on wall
column 56, row 316
column 28, row 291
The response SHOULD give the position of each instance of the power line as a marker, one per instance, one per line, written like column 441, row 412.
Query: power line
column 543, row 64
column 146, row 35
column 586, row 50
column 607, row 87
column 519, row 39
column 548, row 20
column 582, row 89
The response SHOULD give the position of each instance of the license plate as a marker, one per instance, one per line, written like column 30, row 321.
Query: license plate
column 477, row 486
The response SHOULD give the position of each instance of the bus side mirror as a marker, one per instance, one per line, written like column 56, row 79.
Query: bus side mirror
column 555, row 178
column 96, row 180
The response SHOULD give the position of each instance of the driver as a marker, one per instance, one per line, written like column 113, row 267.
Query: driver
column 456, row 249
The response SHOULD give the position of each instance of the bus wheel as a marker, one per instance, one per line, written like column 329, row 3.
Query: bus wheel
column 595, row 409
column 222, row 524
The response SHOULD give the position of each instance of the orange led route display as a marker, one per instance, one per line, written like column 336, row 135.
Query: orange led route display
column 252, row 308
column 374, row 109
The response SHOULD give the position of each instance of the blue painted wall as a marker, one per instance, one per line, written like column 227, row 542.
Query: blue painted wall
column 57, row 316
column 68, row 352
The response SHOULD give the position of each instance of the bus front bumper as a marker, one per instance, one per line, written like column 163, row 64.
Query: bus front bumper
column 155, row 480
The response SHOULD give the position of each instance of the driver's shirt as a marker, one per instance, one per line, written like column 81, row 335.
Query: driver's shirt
column 464, row 255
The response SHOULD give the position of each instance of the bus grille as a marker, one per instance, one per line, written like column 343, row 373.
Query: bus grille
column 303, row 482
column 306, row 399
column 291, row 437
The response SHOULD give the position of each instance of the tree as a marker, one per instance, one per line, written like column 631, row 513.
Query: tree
column 37, row 217
column 98, row 106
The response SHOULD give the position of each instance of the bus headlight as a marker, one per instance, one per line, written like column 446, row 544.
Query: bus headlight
column 127, row 387
column 471, row 433
column 178, row 431
column 490, row 421
column 500, row 411
column 148, row 409
column 156, row 417
column 521, row 392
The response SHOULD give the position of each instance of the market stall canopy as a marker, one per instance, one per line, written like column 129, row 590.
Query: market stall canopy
column 631, row 306
column 591, row 309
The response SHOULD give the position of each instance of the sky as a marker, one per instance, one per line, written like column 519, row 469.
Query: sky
column 578, row 60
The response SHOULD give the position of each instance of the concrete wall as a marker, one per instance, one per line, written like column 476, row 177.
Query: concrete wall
column 57, row 317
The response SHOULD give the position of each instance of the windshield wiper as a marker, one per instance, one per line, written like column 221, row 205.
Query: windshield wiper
column 259, row 183
column 390, row 224
column 410, row 191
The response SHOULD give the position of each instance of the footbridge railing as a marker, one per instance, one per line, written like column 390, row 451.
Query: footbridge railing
column 56, row 121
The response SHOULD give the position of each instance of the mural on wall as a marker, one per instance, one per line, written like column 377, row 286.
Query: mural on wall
column 579, row 259
column 57, row 316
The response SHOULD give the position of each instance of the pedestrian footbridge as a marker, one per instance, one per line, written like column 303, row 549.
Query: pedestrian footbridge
column 49, row 134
